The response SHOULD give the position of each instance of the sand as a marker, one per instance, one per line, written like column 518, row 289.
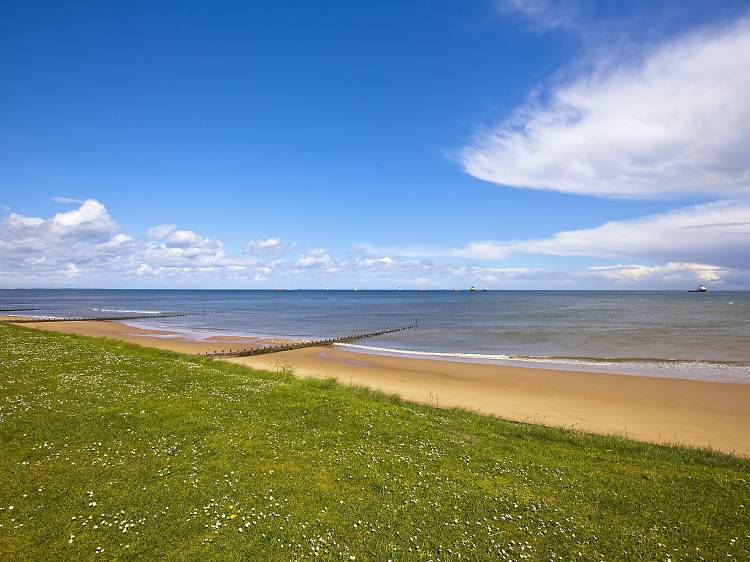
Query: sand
column 161, row 339
column 658, row 410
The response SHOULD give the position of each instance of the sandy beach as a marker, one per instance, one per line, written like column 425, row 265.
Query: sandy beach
column 161, row 339
column 658, row 410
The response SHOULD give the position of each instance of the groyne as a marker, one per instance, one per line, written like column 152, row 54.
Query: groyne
column 306, row 343
column 29, row 319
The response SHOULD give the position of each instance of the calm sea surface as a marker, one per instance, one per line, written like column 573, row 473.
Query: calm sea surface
column 674, row 334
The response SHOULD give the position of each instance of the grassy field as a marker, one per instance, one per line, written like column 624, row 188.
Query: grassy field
column 108, row 450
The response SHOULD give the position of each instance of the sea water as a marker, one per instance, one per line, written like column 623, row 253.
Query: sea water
column 663, row 333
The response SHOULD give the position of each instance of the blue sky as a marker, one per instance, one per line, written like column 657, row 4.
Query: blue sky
column 498, row 143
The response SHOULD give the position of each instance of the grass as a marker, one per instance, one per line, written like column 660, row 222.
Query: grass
column 108, row 450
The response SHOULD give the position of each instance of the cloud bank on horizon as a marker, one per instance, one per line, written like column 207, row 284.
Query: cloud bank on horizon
column 86, row 245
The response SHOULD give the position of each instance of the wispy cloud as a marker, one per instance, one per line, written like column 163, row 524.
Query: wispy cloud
column 713, row 233
column 544, row 14
column 702, row 242
column 67, row 200
column 675, row 272
column 675, row 123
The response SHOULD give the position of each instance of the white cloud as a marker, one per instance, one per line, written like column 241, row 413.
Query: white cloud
column 184, row 239
column 268, row 246
column 89, row 222
column 702, row 243
column 71, row 270
column 67, row 200
column 385, row 261
column 90, row 218
column 161, row 230
column 87, row 240
column 705, row 243
column 677, row 122
column 402, row 251
column 317, row 257
column 712, row 233
column 545, row 14
column 682, row 273
column 117, row 241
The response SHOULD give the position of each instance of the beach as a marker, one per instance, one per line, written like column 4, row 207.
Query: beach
column 157, row 454
column 161, row 339
column 658, row 410
column 653, row 409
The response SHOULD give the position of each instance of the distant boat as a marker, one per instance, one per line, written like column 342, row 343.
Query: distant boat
column 472, row 289
column 699, row 289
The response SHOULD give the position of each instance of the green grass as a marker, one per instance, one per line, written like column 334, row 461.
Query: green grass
column 108, row 450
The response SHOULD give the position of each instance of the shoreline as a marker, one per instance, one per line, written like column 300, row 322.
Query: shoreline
column 160, row 339
column 638, row 367
column 646, row 408
column 711, row 370
column 652, row 409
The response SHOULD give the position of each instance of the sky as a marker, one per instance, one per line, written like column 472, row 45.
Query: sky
column 507, row 144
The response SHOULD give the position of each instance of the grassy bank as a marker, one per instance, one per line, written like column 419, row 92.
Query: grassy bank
column 110, row 450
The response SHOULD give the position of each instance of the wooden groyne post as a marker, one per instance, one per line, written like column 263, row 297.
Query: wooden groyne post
column 308, row 343
column 28, row 319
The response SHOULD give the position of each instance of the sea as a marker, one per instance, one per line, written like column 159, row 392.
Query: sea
column 703, row 336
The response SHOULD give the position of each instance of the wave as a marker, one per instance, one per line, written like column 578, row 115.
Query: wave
column 126, row 310
column 193, row 334
column 35, row 316
column 566, row 359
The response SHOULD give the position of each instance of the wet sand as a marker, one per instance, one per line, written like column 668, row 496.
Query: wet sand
column 161, row 339
column 658, row 410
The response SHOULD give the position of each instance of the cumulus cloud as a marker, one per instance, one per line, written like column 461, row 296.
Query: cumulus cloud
column 317, row 257
column 174, row 248
column 185, row 239
column 118, row 241
column 676, row 122
column 703, row 243
column 367, row 263
column 162, row 230
column 89, row 222
column 86, row 243
column 268, row 246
